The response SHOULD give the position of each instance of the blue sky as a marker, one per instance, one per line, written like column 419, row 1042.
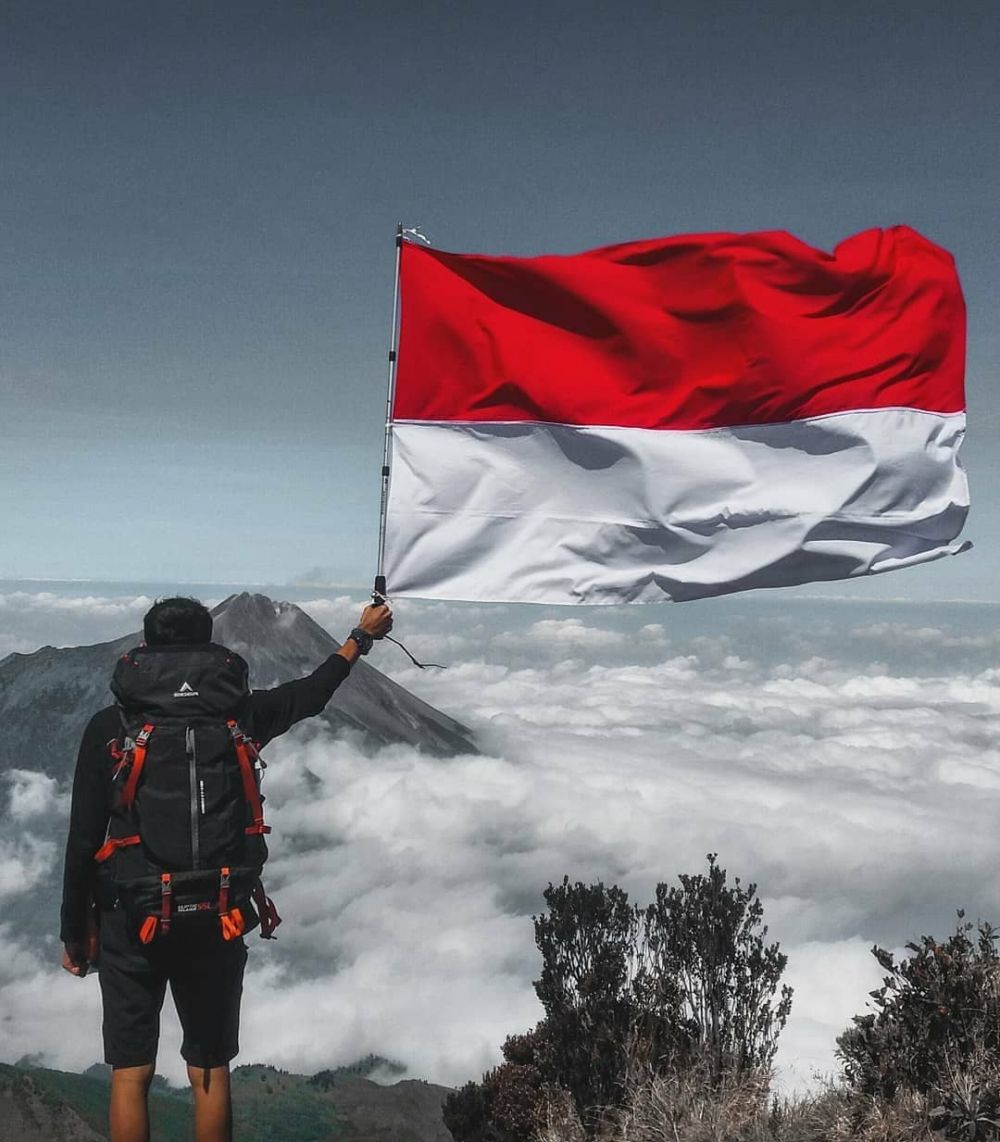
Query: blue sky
column 200, row 200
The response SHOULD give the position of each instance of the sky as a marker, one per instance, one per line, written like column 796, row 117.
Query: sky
column 199, row 203
column 841, row 754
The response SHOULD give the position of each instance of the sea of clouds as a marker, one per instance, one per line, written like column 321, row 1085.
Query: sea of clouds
column 843, row 756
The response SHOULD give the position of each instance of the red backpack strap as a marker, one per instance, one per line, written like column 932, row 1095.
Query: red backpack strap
column 223, row 891
column 138, row 752
column 269, row 918
column 113, row 844
column 245, row 753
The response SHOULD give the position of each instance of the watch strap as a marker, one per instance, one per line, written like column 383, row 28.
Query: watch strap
column 364, row 640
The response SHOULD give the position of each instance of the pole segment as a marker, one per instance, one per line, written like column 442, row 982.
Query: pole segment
column 378, row 592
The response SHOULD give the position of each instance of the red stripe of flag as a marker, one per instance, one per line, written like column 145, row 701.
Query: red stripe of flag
column 691, row 332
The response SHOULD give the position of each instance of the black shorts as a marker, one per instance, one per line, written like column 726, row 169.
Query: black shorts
column 205, row 974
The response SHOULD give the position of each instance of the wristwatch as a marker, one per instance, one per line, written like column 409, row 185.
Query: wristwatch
column 363, row 639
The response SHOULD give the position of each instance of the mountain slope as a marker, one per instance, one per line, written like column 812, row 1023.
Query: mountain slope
column 40, row 1105
column 30, row 1112
column 47, row 697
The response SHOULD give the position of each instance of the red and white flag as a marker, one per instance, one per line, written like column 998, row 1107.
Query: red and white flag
column 675, row 418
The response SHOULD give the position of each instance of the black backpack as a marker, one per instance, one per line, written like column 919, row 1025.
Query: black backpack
column 185, row 839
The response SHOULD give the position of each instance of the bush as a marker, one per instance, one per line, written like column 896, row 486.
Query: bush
column 937, row 1011
column 708, row 937
column 508, row 1104
column 632, row 993
column 935, row 1034
column 606, row 1011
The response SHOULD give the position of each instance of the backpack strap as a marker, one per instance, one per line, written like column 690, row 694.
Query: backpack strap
column 138, row 752
column 245, row 753
column 153, row 926
column 166, row 902
column 113, row 844
column 223, row 891
column 269, row 918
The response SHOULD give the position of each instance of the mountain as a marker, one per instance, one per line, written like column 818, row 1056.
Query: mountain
column 39, row 1105
column 29, row 1112
column 47, row 697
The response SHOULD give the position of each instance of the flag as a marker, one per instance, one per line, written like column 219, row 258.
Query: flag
column 674, row 418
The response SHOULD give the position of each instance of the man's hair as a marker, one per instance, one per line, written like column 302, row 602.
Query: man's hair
column 178, row 621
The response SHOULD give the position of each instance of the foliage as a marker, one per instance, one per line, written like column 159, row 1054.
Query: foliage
column 508, row 1104
column 468, row 1112
column 934, row 1033
column 936, row 1013
column 631, row 991
column 362, row 1068
column 708, row 937
column 606, row 1011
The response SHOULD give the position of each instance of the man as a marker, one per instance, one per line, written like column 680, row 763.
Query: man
column 204, row 970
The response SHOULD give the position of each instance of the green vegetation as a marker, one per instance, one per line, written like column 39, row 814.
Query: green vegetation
column 363, row 1068
column 268, row 1104
column 170, row 1113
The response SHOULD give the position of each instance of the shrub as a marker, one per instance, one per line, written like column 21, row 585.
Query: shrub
column 509, row 1102
column 937, row 1011
column 934, row 1037
column 708, row 937
column 606, row 1011
column 629, row 994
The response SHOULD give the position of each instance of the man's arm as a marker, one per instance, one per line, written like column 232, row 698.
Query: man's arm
column 278, row 709
column 88, row 822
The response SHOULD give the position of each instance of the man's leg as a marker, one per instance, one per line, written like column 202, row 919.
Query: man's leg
column 129, row 1113
column 207, row 983
column 213, row 1109
column 132, row 989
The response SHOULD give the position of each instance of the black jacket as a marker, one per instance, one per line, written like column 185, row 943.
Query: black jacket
column 274, row 712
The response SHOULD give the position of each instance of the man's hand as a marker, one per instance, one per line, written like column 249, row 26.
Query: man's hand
column 376, row 620
column 74, row 960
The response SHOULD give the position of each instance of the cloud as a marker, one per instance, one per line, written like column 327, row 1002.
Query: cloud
column 337, row 614
column 25, row 861
column 856, row 782
column 30, row 619
column 33, row 795
column 565, row 635
column 829, row 981
column 46, row 1011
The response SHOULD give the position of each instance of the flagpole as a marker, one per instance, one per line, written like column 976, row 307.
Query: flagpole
column 379, row 589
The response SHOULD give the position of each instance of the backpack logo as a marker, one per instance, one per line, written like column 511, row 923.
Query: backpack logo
column 186, row 691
